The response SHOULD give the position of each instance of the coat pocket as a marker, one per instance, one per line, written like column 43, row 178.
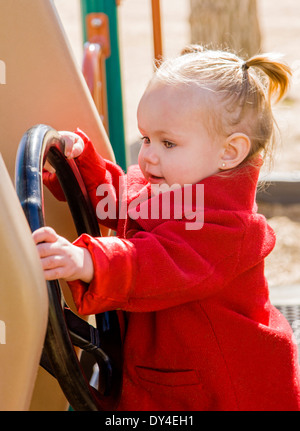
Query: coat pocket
column 168, row 377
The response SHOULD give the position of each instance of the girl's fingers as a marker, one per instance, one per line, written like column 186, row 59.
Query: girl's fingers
column 54, row 273
column 60, row 258
column 52, row 262
column 69, row 143
column 77, row 148
column 57, row 265
column 74, row 145
column 44, row 234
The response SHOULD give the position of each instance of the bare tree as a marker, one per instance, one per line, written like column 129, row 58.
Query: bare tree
column 232, row 24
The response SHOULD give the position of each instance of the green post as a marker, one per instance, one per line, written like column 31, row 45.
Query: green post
column 113, row 76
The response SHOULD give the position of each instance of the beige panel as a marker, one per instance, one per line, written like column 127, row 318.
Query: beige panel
column 42, row 85
column 23, row 302
column 47, row 395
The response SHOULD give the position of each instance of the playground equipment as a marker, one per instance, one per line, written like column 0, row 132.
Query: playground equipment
column 43, row 86
column 64, row 327
column 91, row 34
column 23, row 302
column 157, row 36
column 96, row 51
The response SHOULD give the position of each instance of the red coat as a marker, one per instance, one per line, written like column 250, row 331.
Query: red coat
column 201, row 332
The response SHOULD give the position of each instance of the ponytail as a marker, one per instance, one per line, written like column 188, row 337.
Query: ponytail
column 277, row 72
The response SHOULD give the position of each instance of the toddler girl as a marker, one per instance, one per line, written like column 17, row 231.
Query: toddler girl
column 201, row 333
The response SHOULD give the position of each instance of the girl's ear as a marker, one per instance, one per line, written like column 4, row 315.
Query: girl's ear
column 236, row 149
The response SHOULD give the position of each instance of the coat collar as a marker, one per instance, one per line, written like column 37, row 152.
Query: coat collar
column 228, row 191
column 233, row 190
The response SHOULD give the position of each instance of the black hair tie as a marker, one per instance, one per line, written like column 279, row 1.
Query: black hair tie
column 245, row 66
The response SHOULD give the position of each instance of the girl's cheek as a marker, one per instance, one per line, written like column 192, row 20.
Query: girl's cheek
column 141, row 162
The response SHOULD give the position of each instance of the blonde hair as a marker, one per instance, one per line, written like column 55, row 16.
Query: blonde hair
column 245, row 89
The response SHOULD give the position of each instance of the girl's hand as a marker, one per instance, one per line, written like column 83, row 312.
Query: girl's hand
column 62, row 259
column 74, row 145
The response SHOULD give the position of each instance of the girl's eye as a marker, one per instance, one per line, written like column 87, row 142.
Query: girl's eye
column 145, row 140
column 168, row 144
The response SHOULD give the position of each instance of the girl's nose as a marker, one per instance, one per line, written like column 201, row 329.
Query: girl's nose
column 150, row 155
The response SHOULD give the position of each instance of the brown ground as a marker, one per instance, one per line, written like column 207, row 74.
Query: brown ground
column 280, row 26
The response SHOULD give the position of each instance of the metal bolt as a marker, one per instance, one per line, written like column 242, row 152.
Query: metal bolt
column 96, row 22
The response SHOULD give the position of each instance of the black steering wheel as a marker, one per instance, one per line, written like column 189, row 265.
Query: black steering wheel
column 65, row 329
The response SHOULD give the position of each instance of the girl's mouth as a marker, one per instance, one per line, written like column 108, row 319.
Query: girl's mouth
column 154, row 179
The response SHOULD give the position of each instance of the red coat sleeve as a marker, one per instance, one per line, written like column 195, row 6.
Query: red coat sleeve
column 95, row 171
column 159, row 269
column 51, row 182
